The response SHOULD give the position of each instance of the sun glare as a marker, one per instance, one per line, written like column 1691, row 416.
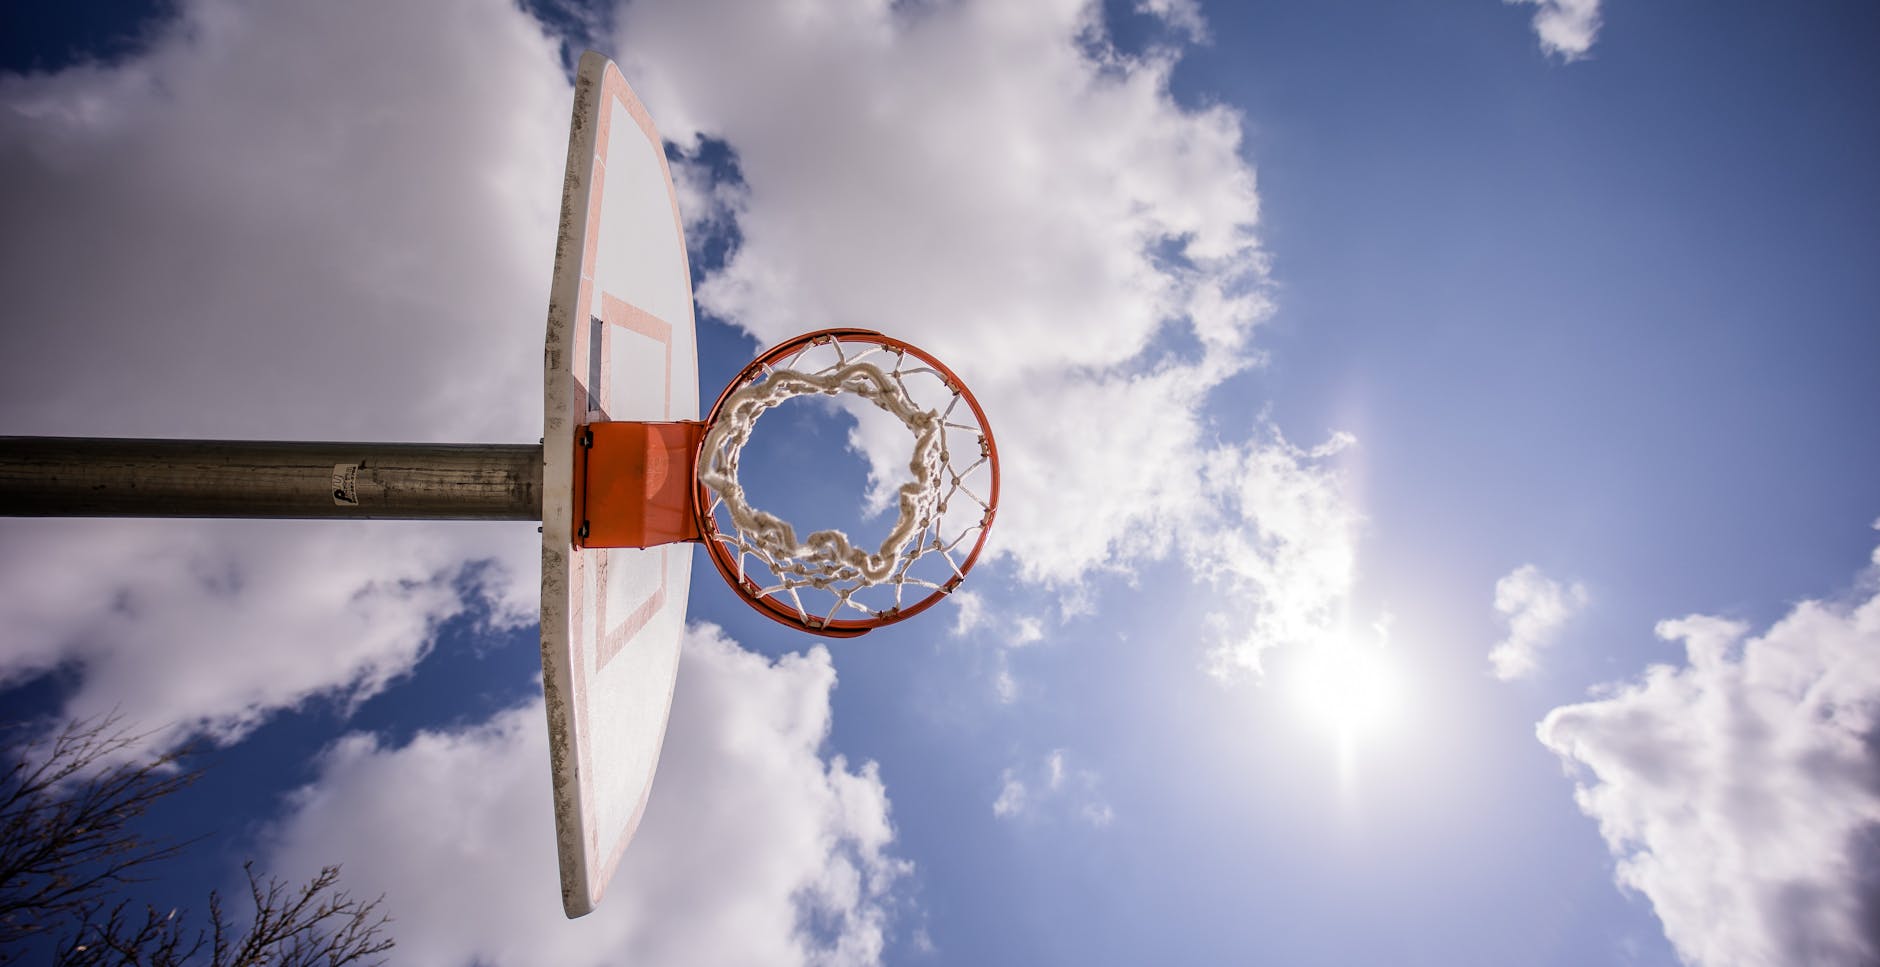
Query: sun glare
column 1348, row 688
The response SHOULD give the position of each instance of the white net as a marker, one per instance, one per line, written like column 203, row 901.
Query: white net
column 943, row 510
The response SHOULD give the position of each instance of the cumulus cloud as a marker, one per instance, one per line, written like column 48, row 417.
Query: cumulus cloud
column 1052, row 788
column 755, row 848
column 207, row 628
column 1281, row 542
column 1565, row 27
column 225, row 236
column 969, row 612
column 997, row 183
column 1740, row 792
column 1534, row 607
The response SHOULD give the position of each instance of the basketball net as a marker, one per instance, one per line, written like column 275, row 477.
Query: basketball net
column 827, row 560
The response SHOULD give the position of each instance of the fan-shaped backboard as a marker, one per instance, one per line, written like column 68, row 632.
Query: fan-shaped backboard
column 621, row 346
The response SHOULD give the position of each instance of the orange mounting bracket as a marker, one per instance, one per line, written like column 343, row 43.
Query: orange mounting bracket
column 635, row 483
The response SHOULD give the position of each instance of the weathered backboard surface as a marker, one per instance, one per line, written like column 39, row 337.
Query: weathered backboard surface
column 621, row 346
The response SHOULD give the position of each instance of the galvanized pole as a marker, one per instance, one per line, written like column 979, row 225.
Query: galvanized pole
column 79, row 477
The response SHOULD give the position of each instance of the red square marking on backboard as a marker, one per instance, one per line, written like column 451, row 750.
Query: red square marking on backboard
column 612, row 640
column 618, row 312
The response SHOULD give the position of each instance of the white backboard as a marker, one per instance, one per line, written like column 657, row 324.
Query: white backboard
column 621, row 346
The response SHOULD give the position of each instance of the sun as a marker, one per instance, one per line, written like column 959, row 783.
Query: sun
column 1347, row 687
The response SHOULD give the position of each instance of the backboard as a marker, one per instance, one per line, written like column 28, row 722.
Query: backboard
column 621, row 346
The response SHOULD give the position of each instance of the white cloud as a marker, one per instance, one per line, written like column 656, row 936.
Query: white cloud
column 1534, row 607
column 754, row 849
column 1053, row 789
column 1741, row 792
column 1565, row 27
column 1011, row 799
column 1281, row 544
column 1054, row 770
column 970, row 611
column 1182, row 15
column 996, row 183
column 1004, row 683
column 209, row 627
column 227, row 236
column 1018, row 633
column 972, row 615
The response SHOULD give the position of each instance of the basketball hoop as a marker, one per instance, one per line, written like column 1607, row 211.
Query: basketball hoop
column 624, row 480
column 650, row 484
column 823, row 583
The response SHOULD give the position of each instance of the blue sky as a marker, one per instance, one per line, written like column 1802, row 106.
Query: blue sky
column 1331, row 349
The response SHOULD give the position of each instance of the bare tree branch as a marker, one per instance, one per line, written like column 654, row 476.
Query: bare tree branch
column 317, row 924
column 161, row 940
column 66, row 812
column 68, row 847
column 313, row 925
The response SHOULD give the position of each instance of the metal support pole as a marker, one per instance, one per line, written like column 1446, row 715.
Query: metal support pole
column 78, row 477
